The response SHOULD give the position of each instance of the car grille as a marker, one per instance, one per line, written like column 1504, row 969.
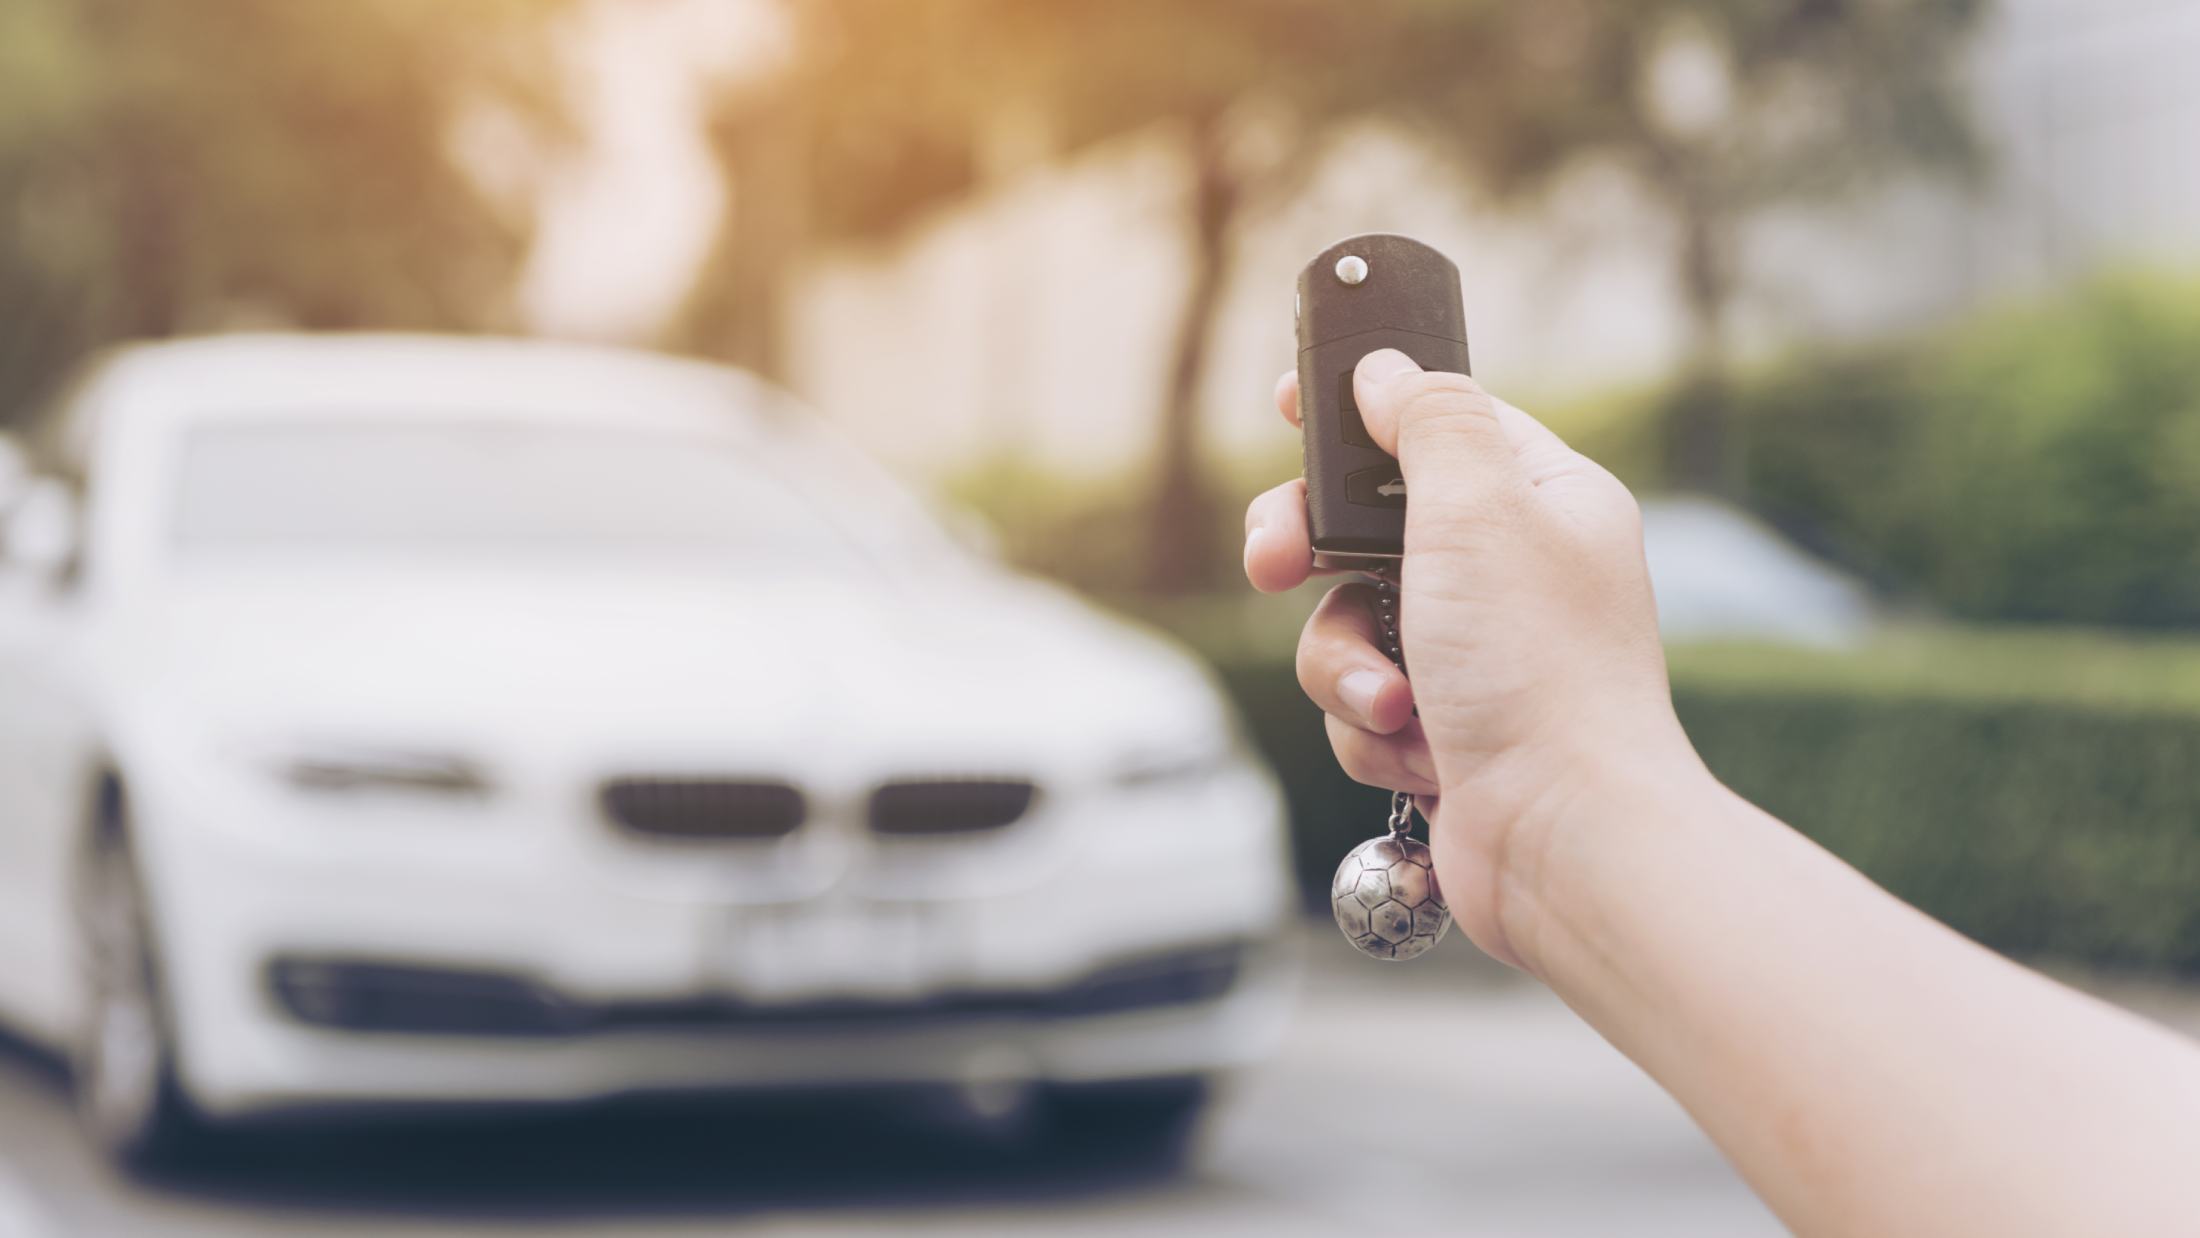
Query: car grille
column 703, row 808
column 362, row 995
column 950, row 806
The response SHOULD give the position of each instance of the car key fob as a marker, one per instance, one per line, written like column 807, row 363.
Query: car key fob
column 1359, row 295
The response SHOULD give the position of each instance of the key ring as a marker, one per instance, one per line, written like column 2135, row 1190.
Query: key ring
column 1401, row 814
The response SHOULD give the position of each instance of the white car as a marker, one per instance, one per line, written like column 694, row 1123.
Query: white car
column 435, row 720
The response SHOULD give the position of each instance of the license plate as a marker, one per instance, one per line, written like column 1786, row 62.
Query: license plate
column 833, row 949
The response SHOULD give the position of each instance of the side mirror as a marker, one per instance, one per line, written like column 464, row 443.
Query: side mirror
column 40, row 537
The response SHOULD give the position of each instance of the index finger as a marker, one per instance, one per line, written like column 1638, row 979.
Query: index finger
column 1278, row 553
column 1287, row 396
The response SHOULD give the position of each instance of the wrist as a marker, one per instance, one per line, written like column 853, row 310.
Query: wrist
column 1545, row 874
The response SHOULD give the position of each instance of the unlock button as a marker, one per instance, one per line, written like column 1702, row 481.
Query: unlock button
column 1382, row 487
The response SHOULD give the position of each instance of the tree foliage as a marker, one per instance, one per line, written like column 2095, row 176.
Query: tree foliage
column 165, row 167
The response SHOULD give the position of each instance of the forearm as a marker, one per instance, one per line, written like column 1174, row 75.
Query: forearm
column 1868, row 1070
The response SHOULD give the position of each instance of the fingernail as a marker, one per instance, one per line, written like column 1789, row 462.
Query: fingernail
column 1358, row 690
column 1384, row 364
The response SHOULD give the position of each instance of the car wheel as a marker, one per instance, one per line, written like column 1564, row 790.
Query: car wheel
column 124, row 1063
column 1154, row 1119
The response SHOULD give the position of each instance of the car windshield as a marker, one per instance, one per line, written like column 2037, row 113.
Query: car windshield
column 452, row 487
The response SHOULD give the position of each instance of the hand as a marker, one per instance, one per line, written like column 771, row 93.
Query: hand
column 1528, row 625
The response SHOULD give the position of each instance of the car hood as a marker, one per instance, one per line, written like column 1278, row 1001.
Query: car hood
column 668, row 668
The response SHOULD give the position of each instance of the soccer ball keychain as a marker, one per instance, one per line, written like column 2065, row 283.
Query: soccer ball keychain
column 1363, row 294
column 1385, row 894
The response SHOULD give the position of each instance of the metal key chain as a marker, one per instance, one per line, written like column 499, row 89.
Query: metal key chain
column 1385, row 894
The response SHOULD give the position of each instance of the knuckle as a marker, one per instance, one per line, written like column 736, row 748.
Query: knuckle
column 1452, row 515
column 1362, row 756
column 1628, row 509
column 1387, row 762
column 1624, row 498
column 1618, row 513
column 1305, row 663
column 1317, row 659
column 1272, row 508
column 1329, row 642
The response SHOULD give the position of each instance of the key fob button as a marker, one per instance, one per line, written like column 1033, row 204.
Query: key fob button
column 1376, row 488
column 1353, row 430
column 1349, row 426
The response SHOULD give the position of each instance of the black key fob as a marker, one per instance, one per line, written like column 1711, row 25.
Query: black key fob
column 1359, row 295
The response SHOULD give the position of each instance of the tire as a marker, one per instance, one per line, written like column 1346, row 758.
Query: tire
column 1155, row 1120
column 129, row 1099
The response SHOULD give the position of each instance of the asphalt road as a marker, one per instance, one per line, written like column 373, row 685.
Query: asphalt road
column 1442, row 1098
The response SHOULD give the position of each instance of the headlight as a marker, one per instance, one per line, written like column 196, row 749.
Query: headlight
column 345, row 770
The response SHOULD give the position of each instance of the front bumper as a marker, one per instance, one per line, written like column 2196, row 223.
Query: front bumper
column 411, row 959
column 706, row 1046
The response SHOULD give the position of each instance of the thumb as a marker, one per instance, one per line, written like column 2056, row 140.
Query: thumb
column 1445, row 430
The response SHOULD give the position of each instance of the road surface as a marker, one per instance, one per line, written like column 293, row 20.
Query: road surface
column 1441, row 1098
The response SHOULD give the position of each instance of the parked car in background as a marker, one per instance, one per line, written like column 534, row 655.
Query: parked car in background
column 410, row 719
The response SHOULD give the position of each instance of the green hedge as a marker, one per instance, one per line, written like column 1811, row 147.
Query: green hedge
column 2041, row 794
column 2041, row 463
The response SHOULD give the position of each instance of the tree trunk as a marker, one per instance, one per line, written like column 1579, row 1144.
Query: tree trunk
column 149, row 264
column 1698, row 447
column 738, row 308
column 1181, row 539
